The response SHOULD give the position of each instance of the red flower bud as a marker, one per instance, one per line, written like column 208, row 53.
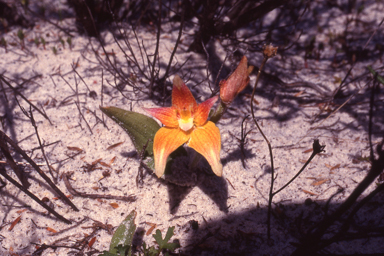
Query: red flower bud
column 236, row 82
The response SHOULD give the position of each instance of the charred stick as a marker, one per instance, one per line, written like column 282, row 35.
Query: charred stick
column 74, row 192
column 26, row 191
column 24, row 98
column 37, row 168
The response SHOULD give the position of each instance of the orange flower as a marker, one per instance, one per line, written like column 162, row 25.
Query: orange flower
column 186, row 122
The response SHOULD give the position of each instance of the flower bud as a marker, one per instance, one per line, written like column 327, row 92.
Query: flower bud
column 236, row 82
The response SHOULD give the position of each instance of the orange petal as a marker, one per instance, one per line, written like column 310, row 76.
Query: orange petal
column 182, row 97
column 206, row 140
column 201, row 114
column 166, row 141
column 166, row 116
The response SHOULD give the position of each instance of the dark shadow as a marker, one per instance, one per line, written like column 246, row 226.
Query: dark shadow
column 24, row 204
column 216, row 188
column 129, row 154
column 237, row 155
column 244, row 233
column 176, row 195
column 138, row 238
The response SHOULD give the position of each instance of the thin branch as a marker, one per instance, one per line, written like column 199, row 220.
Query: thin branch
column 50, row 210
column 41, row 145
column 24, row 98
column 81, row 78
column 266, row 57
column 37, row 168
column 156, row 52
column 177, row 41
column 317, row 149
column 74, row 192
column 312, row 241
column 11, row 162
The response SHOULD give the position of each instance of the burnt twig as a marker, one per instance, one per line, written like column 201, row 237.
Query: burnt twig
column 19, row 172
column 24, row 98
column 155, row 56
column 313, row 241
column 26, row 191
column 177, row 42
column 41, row 146
column 37, row 168
column 269, row 51
column 74, row 192
column 243, row 141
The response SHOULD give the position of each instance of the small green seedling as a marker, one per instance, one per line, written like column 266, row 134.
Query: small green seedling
column 62, row 41
column 3, row 43
column 69, row 41
column 121, row 242
column 43, row 41
column 163, row 244
column 37, row 41
column 20, row 35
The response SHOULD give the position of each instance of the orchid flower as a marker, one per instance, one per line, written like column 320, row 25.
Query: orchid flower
column 186, row 122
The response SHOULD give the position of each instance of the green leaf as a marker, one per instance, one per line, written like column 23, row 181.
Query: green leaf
column 152, row 251
column 169, row 234
column 158, row 238
column 140, row 128
column 163, row 244
column 124, row 234
column 122, row 250
column 171, row 246
column 20, row 34
column 3, row 42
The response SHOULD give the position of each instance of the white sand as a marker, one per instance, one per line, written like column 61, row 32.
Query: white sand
column 229, row 207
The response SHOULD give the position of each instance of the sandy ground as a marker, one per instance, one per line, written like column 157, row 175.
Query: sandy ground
column 231, row 210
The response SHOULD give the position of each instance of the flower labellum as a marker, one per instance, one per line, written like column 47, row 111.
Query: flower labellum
column 186, row 122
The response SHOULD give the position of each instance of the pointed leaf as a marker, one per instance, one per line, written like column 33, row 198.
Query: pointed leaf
column 169, row 234
column 163, row 244
column 140, row 128
column 158, row 238
column 124, row 233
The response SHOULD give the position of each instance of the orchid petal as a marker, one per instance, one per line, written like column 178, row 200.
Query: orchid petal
column 202, row 112
column 166, row 141
column 166, row 116
column 182, row 97
column 206, row 140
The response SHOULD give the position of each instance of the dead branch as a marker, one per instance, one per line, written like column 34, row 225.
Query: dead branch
column 4, row 137
column 3, row 172
column 74, row 192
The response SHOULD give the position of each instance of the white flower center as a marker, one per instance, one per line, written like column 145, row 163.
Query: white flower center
column 186, row 124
